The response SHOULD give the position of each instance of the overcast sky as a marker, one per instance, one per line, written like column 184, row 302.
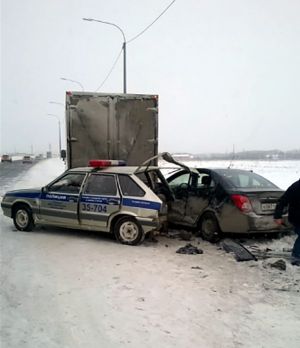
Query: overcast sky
column 227, row 72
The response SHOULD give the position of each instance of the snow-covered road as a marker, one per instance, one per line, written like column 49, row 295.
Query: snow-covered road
column 63, row 288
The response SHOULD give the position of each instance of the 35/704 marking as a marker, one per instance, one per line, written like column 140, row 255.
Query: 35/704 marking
column 96, row 208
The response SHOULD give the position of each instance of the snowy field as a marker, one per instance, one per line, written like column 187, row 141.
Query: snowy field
column 69, row 289
column 281, row 173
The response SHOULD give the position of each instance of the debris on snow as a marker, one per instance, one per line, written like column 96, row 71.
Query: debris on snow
column 189, row 249
column 240, row 252
column 279, row 264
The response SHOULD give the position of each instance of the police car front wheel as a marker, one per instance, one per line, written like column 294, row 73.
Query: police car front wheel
column 128, row 231
column 23, row 219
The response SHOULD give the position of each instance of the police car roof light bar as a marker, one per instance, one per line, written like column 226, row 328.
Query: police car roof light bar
column 106, row 163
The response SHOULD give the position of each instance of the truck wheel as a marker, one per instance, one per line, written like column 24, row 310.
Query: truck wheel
column 210, row 229
column 128, row 231
column 23, row 219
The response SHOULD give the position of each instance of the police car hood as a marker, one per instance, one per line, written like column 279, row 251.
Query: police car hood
column 32, row 192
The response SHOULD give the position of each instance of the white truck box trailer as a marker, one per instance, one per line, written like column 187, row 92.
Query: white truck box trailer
column 111, row 126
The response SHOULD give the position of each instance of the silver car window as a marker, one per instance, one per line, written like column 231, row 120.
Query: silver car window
column 70, row 183
column 101, row 185
column 130, row 187
column 244, row 179
column 179, row 180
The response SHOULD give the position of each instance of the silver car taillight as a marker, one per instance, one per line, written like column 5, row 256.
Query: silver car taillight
column 242, row 203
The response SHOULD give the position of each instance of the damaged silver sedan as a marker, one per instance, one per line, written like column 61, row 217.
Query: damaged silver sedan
column 216, row 201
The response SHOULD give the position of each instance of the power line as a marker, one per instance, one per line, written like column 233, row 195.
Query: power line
column 155, row 20
column 111, row 70
column 132, row 39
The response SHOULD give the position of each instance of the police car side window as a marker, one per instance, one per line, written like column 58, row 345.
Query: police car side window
column 130, row 187
column 101, row 185
column 70, row 183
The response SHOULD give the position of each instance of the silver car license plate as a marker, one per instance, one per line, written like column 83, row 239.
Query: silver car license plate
column 268, row 206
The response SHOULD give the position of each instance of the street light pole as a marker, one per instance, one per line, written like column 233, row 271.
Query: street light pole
column 124, row 47
column 59, row 131
column 65, row 79
column 124, row 67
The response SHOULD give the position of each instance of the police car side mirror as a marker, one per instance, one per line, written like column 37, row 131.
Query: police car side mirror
column 45, row 189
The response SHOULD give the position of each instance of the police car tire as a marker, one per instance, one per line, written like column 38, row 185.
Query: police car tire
column 128, row 222
column 25, row 213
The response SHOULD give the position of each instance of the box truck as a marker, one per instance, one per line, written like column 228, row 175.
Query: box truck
column 111, row 126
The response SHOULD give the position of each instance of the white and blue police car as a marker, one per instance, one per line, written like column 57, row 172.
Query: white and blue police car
column 106, row 196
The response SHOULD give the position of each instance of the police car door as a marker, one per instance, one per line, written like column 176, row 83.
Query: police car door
column 59, row 201
column 99, row 200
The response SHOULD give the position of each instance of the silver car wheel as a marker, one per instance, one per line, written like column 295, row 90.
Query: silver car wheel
column 209, row 228
column 22, row 218
column 129, row 231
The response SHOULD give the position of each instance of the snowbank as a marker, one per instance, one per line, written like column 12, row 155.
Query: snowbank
column 41, row 173
column 281, row 173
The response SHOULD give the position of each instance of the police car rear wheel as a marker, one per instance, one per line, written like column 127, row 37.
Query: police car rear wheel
column 128, row 231
column 23, row 219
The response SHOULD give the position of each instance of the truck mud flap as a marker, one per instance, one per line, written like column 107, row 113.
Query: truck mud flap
column 240, row 252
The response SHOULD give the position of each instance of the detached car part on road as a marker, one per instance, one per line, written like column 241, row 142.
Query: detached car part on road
column 99, row 198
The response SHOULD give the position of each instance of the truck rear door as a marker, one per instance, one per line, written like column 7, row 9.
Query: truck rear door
column 113, row 126
column 136, row 127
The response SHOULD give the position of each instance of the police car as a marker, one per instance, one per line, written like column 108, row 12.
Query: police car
column 106, row 196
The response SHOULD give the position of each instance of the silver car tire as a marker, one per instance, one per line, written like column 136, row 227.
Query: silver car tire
column 128, row 231
column 23, row 219
column 210, row 229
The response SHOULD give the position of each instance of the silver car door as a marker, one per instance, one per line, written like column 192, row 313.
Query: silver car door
column 198, row 197
column 59, row 201
column 179, row 187
column 99, row 200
